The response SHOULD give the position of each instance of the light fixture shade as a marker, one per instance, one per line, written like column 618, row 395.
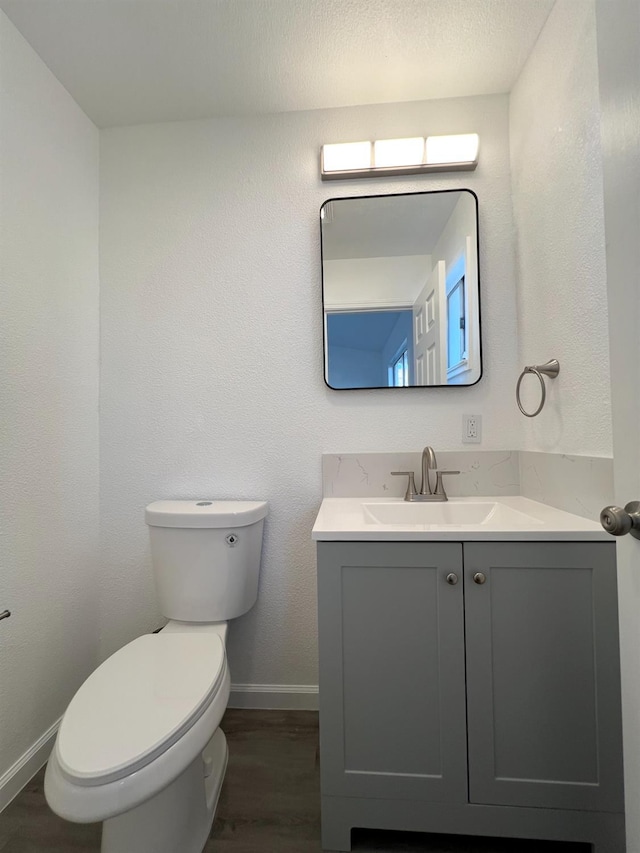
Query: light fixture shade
column 461, row 148
column 398, row 152
column 344, row 156
column 411, row 156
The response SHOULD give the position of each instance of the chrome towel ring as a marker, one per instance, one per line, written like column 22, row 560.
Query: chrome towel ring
column 550, row 369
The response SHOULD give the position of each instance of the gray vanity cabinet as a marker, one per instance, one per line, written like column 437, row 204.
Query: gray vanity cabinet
column 470, row 688
column 543, row 681
column 392, row 700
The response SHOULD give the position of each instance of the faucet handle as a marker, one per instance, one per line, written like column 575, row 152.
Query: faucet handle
column 411, row 484
column 440, row 472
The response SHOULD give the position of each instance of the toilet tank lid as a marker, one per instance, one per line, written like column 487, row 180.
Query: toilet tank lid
column 205, row 513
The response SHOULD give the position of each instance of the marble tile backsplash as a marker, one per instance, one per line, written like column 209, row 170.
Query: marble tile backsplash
column 582, row 485
column 369, row 474
column 578, row 484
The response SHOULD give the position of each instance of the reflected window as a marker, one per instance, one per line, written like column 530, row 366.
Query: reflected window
column 400, row 370
column 456, row 325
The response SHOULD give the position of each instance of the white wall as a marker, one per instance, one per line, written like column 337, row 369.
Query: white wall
column 374, row 282
column 48, row 396
column 556, row 173
column 212, row 367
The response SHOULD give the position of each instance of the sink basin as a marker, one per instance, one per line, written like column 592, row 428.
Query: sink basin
column 447, row 513
column 428, row 513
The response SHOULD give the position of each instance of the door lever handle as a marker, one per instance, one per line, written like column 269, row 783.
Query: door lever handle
column 5, row 614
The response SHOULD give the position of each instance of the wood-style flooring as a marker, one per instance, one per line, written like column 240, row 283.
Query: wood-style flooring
column 270, row 803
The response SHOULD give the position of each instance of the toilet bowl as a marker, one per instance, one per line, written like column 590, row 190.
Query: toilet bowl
column 139, row 746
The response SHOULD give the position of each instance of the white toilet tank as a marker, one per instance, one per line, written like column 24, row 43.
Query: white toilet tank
column 206, row 557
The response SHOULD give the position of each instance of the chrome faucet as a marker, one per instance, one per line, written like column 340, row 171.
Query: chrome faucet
column 428, row 463
column 426, row 493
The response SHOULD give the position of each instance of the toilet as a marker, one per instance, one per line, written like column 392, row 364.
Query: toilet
column 139, row 746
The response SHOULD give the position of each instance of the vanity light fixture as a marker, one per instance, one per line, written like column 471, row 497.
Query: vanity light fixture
column 411, row 156
column 388, row 153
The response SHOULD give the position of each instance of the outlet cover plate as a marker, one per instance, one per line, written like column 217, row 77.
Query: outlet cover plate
column 471, row 429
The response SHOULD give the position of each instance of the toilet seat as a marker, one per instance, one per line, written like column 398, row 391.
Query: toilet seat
column 137, row 704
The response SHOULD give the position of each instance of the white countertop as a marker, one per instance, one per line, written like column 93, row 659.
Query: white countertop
column 503, row 518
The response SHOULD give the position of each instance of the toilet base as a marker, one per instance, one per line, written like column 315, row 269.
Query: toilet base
column 178, row 819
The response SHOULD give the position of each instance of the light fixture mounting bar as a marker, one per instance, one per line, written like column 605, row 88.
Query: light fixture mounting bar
column 381, row 171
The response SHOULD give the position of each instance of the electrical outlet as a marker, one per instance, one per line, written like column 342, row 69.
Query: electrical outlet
column 471, row 429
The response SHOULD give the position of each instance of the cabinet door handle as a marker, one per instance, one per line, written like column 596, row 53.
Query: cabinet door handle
column 452, row 578
column 479, row 577
column 5, row 614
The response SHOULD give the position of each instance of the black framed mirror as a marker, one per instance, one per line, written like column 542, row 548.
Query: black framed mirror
column 401, row 290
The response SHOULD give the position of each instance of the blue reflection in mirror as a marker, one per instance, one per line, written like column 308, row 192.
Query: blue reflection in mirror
column 364, row 348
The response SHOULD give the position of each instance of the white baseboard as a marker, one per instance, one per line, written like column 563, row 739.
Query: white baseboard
column 26, row 767
column 281, row 697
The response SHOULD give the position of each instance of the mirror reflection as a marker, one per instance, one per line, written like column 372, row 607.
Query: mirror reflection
column 400, row 287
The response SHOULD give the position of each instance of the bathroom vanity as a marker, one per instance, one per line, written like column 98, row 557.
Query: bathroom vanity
column 469, row 671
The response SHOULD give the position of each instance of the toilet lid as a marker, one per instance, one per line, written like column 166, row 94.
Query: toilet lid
column 137, row 704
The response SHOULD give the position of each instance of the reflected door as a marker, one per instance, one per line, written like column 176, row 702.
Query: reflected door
column 429, row 330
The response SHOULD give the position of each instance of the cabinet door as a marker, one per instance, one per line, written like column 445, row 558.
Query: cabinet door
column 392, row 702
column 543, row 683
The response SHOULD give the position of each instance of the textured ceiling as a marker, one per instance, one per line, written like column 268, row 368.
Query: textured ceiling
column 135, row 61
